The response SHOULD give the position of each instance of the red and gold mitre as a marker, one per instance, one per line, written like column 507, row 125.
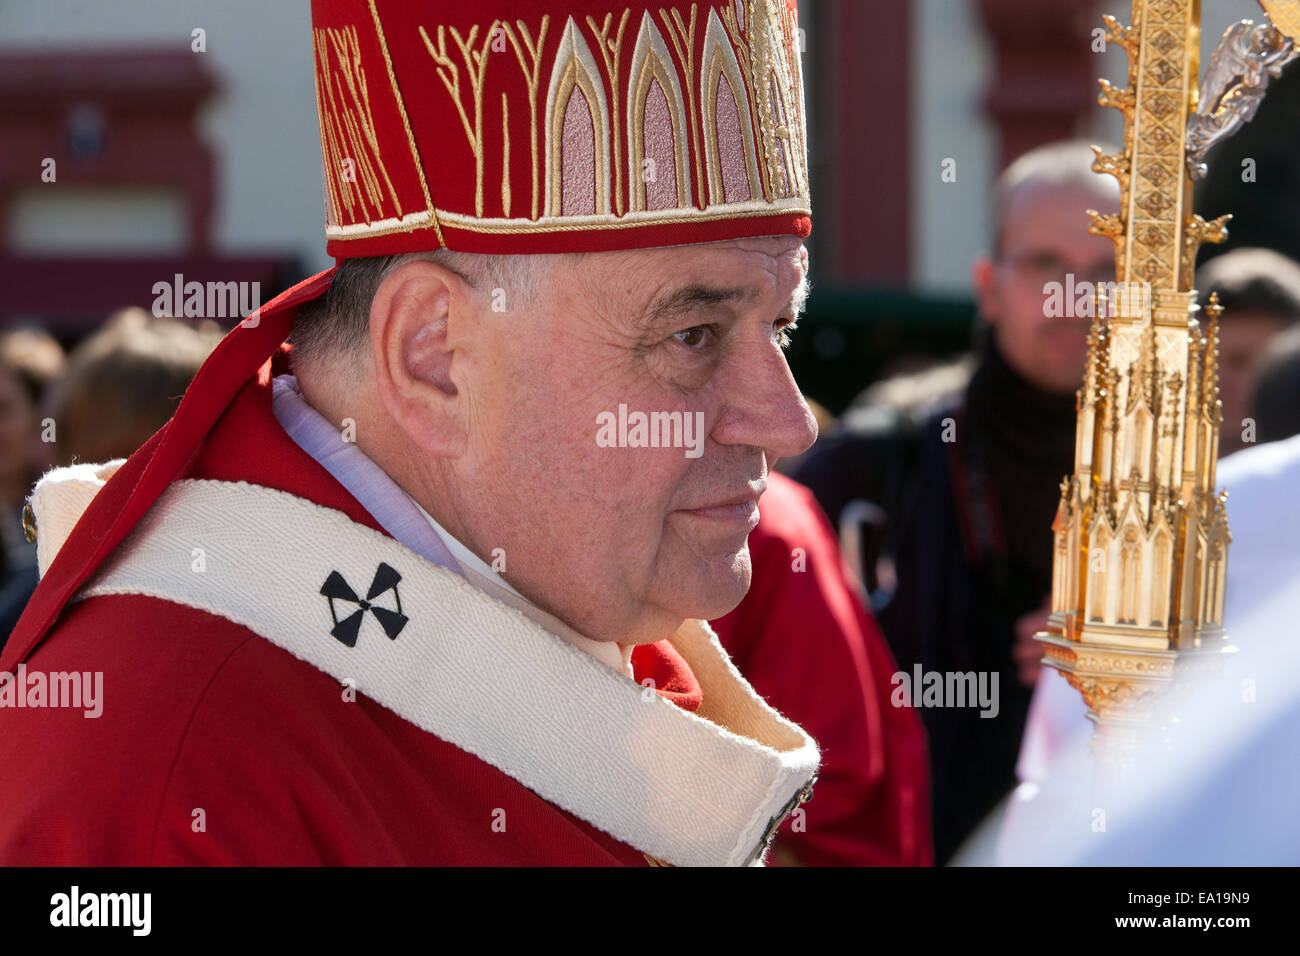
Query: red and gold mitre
column 525, row 126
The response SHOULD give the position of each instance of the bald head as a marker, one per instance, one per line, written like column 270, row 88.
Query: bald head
column 1043, row 252
column 1063, row 167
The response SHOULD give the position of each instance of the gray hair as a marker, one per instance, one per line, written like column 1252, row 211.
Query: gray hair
column 1061, row 164
column 337, row 324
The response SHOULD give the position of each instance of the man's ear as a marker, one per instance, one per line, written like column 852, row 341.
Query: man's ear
column 984, row 279
column 409, row 327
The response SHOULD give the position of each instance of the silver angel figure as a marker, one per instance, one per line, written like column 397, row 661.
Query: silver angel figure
column 1247, row 57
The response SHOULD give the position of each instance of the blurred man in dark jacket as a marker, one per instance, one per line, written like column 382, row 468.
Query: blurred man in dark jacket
column 970, row 524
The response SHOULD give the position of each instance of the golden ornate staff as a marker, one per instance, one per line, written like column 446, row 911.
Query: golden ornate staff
column 1141, row 536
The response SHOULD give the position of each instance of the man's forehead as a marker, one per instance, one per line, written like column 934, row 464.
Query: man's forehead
column 757, row 262
column 1041, row 212
column 778, row 247
column 662, row 283
column 1037, row 201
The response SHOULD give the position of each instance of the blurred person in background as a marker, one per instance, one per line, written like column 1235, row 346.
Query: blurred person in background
column 1259, row 290
column 1276, row 399
column 121, row 385
column 886, row 422
column 973, row 519
column 30, row 361
column 125, row 381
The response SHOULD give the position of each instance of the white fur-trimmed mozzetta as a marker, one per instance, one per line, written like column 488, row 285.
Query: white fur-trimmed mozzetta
column 690, row 788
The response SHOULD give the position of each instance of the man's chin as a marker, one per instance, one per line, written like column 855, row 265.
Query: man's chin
column 720, row 592
column 1066, row 351
column 1060, row 370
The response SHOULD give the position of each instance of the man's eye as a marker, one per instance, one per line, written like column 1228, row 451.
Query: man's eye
column 783, row 327
column 694, row 338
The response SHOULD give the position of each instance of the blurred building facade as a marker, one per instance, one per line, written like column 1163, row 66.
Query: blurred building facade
column 146, row 140
column 184, row 138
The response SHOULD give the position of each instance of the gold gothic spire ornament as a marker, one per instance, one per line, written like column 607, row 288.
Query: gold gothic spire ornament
column 1141, row 536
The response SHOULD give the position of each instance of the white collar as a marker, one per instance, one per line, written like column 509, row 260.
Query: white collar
column 707, row 787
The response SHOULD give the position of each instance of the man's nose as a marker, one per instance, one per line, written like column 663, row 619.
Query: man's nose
column 765, row 408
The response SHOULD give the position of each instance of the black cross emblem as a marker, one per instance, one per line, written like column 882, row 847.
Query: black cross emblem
column 346, row 629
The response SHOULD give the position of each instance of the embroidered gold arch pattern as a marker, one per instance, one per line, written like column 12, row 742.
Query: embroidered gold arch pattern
column 720, row 60
column 781, row 124
column 651, row 60
column 575, row 66
column 682, row 36
column 611, row 51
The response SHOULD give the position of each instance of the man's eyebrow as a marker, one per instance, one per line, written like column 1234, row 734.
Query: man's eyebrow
column 687, row 298
column 690, row 297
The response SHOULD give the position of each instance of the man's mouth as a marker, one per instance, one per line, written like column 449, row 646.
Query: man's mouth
column 739, row 509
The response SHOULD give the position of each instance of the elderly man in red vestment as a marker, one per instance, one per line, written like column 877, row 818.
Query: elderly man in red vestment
column 418, row 572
